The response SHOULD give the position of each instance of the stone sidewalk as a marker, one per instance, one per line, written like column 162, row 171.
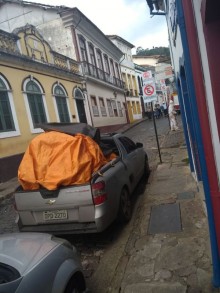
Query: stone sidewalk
column 168, row 250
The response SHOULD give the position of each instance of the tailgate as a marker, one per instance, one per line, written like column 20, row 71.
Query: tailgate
column 69, row 204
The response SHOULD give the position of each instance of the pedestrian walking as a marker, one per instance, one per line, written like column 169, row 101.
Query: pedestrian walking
column 156, row 112
column 162, row 109
column 172, row 116
column 149, row 112
column 165, row 111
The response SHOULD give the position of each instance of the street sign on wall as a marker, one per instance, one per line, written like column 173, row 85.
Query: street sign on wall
column 149, row 87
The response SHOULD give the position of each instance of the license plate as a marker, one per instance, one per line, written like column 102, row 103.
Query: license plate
column 55, row 215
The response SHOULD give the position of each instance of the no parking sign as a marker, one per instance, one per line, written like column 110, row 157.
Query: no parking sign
column 149, row 88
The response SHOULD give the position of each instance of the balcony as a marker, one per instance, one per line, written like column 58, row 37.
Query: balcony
column 65, row 63
column 93, row 71
column 8, row 44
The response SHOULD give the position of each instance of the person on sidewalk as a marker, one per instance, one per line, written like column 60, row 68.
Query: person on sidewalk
column 156, row 112
column 149, row 112
column 165, row 111
column 172, row 115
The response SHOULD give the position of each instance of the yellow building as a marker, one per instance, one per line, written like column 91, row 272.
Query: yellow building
column 37, row 85
column 133, row 101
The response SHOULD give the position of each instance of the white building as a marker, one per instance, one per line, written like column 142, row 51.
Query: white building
column 133, row 100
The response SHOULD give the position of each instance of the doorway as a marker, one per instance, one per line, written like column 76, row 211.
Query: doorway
column 79, row 98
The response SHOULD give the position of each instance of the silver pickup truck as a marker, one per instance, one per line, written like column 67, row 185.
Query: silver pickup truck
column 87, row 208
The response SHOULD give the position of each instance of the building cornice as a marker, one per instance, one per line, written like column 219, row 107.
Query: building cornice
column 120, row 39
column 73, row 17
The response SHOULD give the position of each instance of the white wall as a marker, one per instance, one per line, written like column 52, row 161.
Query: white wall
column 105, row 93
column 151, row 61
column 47, row 21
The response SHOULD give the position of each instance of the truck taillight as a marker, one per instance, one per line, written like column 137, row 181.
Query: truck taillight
column 99, row 193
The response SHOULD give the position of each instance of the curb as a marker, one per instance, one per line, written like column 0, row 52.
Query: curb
column 132, row 125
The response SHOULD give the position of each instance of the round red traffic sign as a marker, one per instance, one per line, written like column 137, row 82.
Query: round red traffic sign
column 149, row 90
column 147, row 74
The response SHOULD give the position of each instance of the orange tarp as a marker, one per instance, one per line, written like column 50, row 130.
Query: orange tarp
column 53, row 159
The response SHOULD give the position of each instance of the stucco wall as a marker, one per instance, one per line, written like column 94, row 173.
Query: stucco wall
column 18, row 144
column 105, row 94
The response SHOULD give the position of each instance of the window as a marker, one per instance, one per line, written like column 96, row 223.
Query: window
column 61, row 103
column 102, row 107
column 117, row 71
column 134, row 107
column 82, row 45
column 110, row 111
column 8, row 118
column 99, row 59
column 128, row 144
column 95, row 109
column 138, row 108
column 92, row 68
column 114, row 108
column 120, row 109
column 36, row 104
column 92, row 55
column 112, row 67
column 106, row 64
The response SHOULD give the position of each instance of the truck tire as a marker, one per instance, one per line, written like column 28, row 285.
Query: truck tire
column 74, row 286
column 125, row 209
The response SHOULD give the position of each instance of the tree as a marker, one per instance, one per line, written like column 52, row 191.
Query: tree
column 165, row 51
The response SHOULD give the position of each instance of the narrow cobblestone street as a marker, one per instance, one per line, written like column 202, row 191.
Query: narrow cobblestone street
column 129, row 258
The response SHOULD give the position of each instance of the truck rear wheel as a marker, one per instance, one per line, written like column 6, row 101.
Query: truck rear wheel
column 125, row 209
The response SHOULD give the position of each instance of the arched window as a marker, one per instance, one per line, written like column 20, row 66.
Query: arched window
column 78, row 94
column 36, row 104
column 8, row 119
column 61, row 102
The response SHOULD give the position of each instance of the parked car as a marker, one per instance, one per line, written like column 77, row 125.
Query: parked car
column 89, row 207
column 37, row 262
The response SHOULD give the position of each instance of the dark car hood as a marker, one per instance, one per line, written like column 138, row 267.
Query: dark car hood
column 24, row 250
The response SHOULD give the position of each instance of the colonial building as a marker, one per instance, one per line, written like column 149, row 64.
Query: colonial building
column 194, row 33
column 149, row 62
column 37, row 85
column 133, row 101
column 69, row 32
column 139, row 70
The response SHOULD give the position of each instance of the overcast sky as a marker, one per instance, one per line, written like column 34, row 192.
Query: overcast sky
column 129, row 19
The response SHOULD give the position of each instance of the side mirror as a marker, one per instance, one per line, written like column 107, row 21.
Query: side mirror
column 139, row 144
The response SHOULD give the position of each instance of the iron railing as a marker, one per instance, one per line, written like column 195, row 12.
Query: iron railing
column 91, row 70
